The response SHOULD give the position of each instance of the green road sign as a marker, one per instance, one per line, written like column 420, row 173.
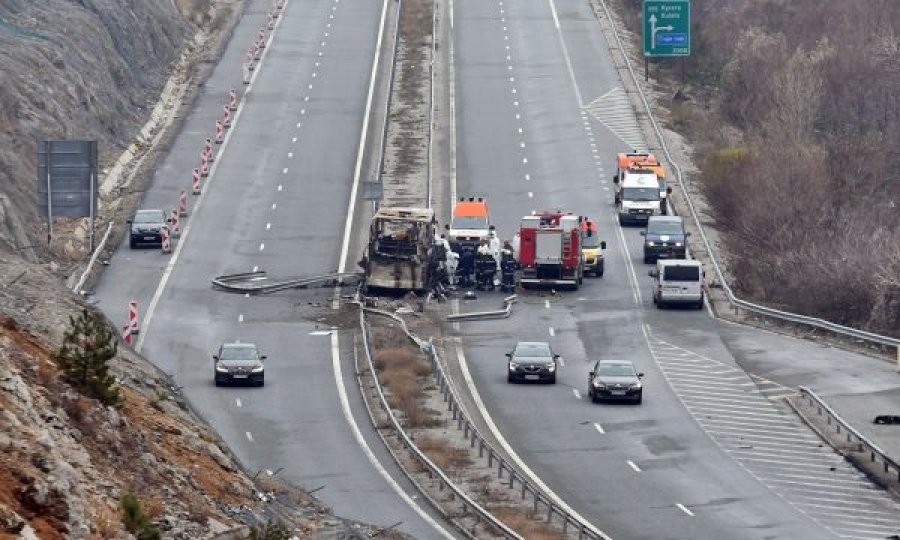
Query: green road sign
column 667, row 28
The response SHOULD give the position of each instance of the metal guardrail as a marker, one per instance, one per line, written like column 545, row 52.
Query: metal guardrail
column 485, row 315
column 732, row 298
column 514, row 479
column 251, row 282
column 852, row 436
column 87, row 271
column 466, row 502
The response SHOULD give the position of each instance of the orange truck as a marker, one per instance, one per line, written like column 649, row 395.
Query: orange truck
column 642, row 161
column 470, row 223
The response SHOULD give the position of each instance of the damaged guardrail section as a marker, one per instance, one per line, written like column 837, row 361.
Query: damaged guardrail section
column 257, row 282
column 554, row 515
column 483, row 315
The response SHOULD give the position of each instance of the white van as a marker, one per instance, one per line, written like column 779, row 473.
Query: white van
column 637, row 196
column 677, row 281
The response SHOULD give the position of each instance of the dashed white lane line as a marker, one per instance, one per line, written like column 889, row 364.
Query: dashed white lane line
column 290, row 154
column 633, row 465
column 684, row 509
column 530, row 195
column 552, row 331
column 240, row 317
column 280, row 187
column 268, row 226
column 577, row 393
column 262, row 246
column 547, row 304
column 237, row 401
column 294, row 139
column 274, row 206
column 255, row 268
column 527, row 177
column 284, row 170
column 599, row 428
column 249, row 436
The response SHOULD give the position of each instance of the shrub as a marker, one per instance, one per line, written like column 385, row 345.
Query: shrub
column 83, row 359
column 136, row 521
column 273, row 530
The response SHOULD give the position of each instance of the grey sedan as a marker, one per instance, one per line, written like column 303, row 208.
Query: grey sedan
column 532, row 361
column 239, row 363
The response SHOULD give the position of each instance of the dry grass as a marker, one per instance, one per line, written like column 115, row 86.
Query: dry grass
column 443, row 455
column 521, row 522
column 106, row 523
column 401, row 371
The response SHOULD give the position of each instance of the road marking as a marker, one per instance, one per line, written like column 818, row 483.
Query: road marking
column 530, row 195
column 489, row 421
column 249, row 436
column 291, row 154
column 262, row 246
column 547, row 304
column 314, row 75
column 280, row 187
column 240, row 317
column 636, row 292
column 552, row 332
column 284, row 170
column 527, row 177
column 684, row 509
column 599, row 428
column 237, row 401
column 577, row 393
column 274, row 206
column 633, row 465
column 255, row 268
column 348, row 416
column 268, row 226
column 565, row 51
column 302, row 111
column 294, row 139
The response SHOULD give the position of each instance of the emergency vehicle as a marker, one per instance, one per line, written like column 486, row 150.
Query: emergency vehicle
column 638, row 196
column 647, row 162
column 549, row 250
column 470, row 223
column 592, row 248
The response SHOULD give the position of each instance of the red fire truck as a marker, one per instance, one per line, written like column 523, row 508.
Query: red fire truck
column 550, row 250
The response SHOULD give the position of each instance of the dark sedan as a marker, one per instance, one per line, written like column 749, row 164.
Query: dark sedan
column 615, row 380
column 146, row 228
column 664, row 237
column 532, row 361
column 239, row 363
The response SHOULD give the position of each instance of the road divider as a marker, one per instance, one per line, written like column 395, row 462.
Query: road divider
column 134, row 325
column 166, row 243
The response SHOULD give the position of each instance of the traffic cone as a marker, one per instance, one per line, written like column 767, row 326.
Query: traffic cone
column 271, row 23
column 247, row 69
column 126, row 333
column 257, row 52
column 166, row 243
column 196, row 182
column 261, row 38
column 182, row 203
column 207, row 147
column 204, row 165
column 226, row 120
column 274, row 12
column 232, row 99
column 176, row 223
column 220, row 132
column 279, row 4
column 133, row 325
column 250, row 58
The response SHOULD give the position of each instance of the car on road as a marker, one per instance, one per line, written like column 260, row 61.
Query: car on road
column 146, row 228
column 615, row 380
column 664, row 237
column 532, row 361
column 678, row 281
column 239, row 363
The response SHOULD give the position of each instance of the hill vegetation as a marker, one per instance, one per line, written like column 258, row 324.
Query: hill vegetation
column 793, row 110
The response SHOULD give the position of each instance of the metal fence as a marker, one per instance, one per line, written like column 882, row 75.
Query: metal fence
column 736, row 302
column 541, row 505
column 850, row 434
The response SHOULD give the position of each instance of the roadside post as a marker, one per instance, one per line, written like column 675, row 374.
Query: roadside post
column 667, row 31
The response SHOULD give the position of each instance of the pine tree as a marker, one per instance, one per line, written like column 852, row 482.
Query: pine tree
column 83, row 360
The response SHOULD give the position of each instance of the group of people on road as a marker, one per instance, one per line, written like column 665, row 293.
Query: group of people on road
column 476, row 265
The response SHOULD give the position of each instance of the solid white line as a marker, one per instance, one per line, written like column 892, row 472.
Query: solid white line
column 633, row 465
column 684, row 509
column 489, row 421
column 249, row 436
column 635, row 288
column 577, row 393
column 565, row 53
column 833, row 489
column 151, row 308
column 345, row 245
column 348, row 416
column 237, row 401
column 599, row 428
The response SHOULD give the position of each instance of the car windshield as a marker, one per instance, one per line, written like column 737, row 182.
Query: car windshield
column 615, row 370
column 149, row 216
column 592, row 241
column 532, row 349
column 640, row 194
column 665, row 227
column 238, row 353
column 681, row 273
column 469, row 222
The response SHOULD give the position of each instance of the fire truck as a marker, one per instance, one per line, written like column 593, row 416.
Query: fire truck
column 550, row 245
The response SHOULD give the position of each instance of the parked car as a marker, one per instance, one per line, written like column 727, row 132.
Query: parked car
column 239, row 363
column 664, row 237
column 615, row 380
column 532, row 361
column 146, row 228
column 678, row 281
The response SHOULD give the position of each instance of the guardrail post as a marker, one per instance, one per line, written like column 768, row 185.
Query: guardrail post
column 898, row 358
column 524, row 487
column 549, row 512
column 580, row 531
column 534, row 509
column 481, row 449
column 565, row 524
column 512, row 478
column 490, row 457
column 466, row 429
column 499, row 470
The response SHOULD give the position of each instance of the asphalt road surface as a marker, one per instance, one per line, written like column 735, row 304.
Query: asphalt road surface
column 276, row 200
column 710, row 453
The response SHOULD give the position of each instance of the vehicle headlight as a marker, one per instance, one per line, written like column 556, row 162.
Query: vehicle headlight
column 678, row 244
column 513, row 366
column 257, row 369
column 599, row 384
column 651, row 243
column 221, row 369
column 636, row 386
column 551, row 367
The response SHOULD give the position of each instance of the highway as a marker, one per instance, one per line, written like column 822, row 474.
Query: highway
column 541, row 116
column 276, row 200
